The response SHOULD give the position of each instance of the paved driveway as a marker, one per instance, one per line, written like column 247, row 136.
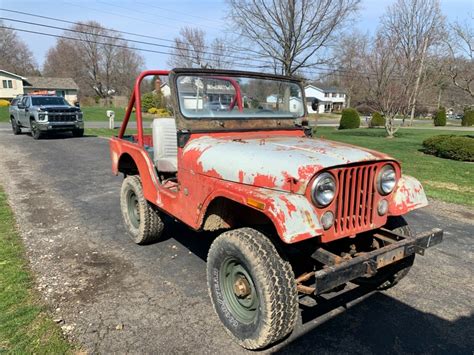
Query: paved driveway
column 114, row 296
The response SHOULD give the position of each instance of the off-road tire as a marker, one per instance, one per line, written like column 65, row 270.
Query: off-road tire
column 35, row 131
column 15, row 127
column 150, row 225
column 273, row 281
column 391, row 275
column 78, row 132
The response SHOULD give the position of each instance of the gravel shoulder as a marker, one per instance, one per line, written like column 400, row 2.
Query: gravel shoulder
column 115, row 296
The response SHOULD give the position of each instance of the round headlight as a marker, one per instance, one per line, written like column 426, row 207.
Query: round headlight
column 324, row 189
column 386, row 180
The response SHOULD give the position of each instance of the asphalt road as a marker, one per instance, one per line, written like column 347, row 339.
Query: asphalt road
column 113, row 296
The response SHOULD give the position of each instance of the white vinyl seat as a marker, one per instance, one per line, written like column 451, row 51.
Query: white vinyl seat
column 165, row 145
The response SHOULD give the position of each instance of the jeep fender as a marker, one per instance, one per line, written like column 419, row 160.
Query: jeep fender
column 144, row 165
column 293, row 215
column 408, row 196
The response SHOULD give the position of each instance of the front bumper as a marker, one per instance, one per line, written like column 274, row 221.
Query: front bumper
column 60, row 126
column 338, row 271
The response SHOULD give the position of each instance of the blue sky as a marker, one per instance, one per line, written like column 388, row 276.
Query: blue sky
column 164, row 18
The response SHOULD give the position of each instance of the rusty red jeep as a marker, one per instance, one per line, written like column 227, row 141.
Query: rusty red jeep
column 298, row 215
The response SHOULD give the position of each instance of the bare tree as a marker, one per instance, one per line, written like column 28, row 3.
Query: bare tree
column 460, row 64
column 99, row 60
column 385, row 89
column 293, row 34
column 192, row 51
column 415, row 26
column 350, row 64
column 15, row 56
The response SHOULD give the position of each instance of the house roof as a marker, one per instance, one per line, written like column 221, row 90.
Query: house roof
column 12, row 74
column 39, row 82
column 326, row 88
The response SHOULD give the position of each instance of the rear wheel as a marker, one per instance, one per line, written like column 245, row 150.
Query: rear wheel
column 391, row 275
column 15, row 127
column 78, row 132
column 252, row 288
column 35, row 131
column 143, row 223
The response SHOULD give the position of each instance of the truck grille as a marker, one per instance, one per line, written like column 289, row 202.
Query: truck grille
column 61, row 118
column 355, row 199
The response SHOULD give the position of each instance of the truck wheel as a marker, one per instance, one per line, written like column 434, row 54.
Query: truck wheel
column 252, row 289
column 78, row 132
column 143, row 223
column 391, row 275
column 15, row 127
column 35, row 131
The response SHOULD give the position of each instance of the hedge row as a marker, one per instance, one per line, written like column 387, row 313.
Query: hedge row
column 451, row 147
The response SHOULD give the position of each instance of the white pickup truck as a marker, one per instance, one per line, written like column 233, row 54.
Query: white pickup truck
column 43, row 114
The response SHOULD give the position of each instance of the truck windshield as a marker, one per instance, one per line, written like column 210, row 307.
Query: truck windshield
column 49, row 100
column 231, row 97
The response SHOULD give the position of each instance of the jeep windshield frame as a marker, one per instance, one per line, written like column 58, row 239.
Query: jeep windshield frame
column 186, row 126
column 241, row 116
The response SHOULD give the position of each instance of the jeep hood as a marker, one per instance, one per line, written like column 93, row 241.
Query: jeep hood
column 281, row 163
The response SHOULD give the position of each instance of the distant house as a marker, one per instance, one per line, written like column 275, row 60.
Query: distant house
column 11, row 85
column 324, row 99
column 65, row 87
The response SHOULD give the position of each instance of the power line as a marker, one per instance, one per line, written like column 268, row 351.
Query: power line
column 125, row 39
column 246, row 66
column 148, row 43
column 107, row 44
column 318, row 70
column 147, row 13
column 179, row 12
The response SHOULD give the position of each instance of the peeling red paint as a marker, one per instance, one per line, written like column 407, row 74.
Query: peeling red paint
column 264, row 180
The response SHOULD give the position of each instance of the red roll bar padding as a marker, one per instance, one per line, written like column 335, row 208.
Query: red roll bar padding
column 135, row 100
column 238, row 94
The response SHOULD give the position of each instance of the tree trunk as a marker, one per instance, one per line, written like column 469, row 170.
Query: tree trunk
column 418, row 79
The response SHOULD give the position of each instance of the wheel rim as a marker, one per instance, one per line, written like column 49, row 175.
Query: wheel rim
column 239, row 291
column 133, row 208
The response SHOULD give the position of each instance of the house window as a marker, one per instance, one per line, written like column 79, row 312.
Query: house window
column 7, row 84
column 334, row 94
column 326, row 94
column 341, row 95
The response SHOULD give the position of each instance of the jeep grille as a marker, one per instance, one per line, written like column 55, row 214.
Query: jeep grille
column 355, row 199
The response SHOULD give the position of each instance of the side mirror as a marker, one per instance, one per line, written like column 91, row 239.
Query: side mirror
column 20, row 105
column 77, row 104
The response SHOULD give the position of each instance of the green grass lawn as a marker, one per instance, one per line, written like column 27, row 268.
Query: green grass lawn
column 90, row 114
column 25, row 327
column 443, row 179
column 4, row 114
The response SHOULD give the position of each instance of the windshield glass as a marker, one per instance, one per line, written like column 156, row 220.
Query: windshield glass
column 231, row 97
column 49, row 100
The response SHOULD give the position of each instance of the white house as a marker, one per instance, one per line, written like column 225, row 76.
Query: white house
column 11, row 85
column 321, row 100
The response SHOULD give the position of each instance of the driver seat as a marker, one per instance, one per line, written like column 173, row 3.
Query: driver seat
column 165, row 145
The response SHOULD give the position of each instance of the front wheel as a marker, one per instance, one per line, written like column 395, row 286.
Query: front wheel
column 35, row 131
column 15, row 127
column 391, row 275
column 252, row 288
column 143, row 223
